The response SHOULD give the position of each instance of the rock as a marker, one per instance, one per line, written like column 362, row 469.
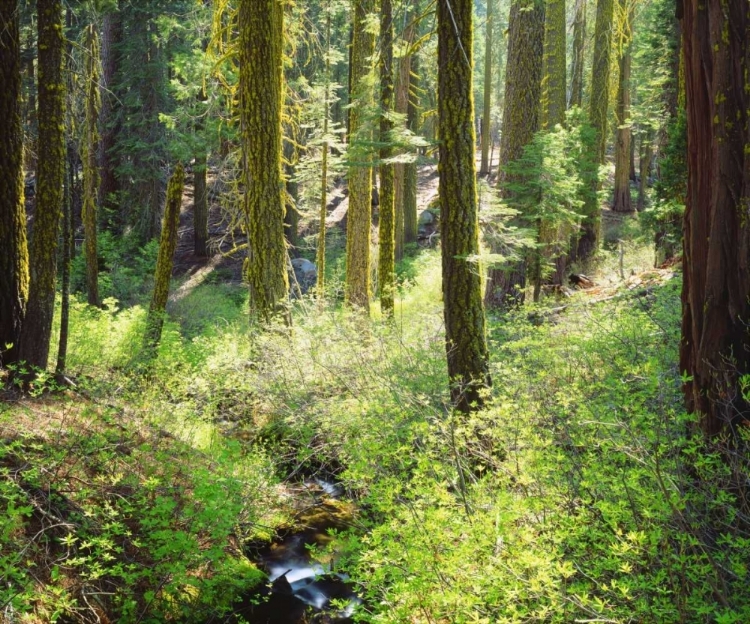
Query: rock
column 305, row 274
column 427, row 217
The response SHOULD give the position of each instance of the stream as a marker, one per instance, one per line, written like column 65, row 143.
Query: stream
column 304, row 586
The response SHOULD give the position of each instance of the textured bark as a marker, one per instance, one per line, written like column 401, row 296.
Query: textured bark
column 261, row 80
column 68, row 244
column 200, row 206
column 588, row 241
column 465, row 339
column 14, row 267
column 40, row 308
column 90, row 168
column 291, row 216
column 165, row 260
column 411, row 219
column 521, row 119
column 360, row 159
column 323, row 210
column 484, row 168
column 579, row 39
column 715, row 349
column 109, row 118
column 623, row 144
column 387, row 233
column 554, row 94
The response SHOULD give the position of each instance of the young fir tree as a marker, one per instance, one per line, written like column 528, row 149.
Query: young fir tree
column 521, row 112
column 387, row 234
column 40, row 308
column 715, row 347
column 14, row 267
column 622, row 199
column 90, row 165
column 164, row 262
column 465, row 339
column 360, row 159
column 261, row 29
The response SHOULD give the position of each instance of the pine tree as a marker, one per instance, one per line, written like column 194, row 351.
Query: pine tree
column 14, row 268
column 40, row 308
column 261, row 28
column 465, row 339
column 554, row 74
column 484, row 168
column 90, row 165
column 576, row 70
column 622, row 199
column 110, row 120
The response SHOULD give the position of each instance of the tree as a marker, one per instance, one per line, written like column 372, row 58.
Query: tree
column 554, row 74
column 576, row 71
column 465, row 339
column 715, row 349
column 521, row 118
column 14, row 268
column 90, row 165
column 622, row 199
column 40, row 308
column 360, row 160
column 261, row 27
column 110, row 115
column 484, row 168
column 387, row 234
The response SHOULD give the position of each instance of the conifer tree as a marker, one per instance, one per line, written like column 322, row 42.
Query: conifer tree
column 577, row 63
column 484, row 168
column 90, row 165
column 110, row 114
column 360, row 159
column 14, row 268
column 261, row 78
column 465, row 339
column 554, row 95
column 622, row 199
column 37, row 325
column 323, row 210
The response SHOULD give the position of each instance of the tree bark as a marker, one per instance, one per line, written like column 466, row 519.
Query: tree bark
column 109, row 117
column 90, row 166
column 484, row 168
column 554, row 95
column 579, row 38
column 200, row 205
column 465, row 340
column 14, row 267
column 715, row 349
column 623, row 144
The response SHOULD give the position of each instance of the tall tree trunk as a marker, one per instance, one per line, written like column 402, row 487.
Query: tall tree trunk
column 165, row 260
column 261, row 24
column 40, row 308
column 360, row 159
column 715, row 349
column 554, row 94
column 622, row 199
column 14, row 260
column 200, row 205
column 109, row 117
column 90, row 168
column 484, row 168
column 387, row 233
column 579, row 38
column 68, row 244
column 411, row 219
column 323, row 211
column 588, row 241
column 646, row 158
column 465, row 339
column 523, row 88
column 291, row 216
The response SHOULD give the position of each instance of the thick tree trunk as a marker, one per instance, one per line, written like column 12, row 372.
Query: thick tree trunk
column 14, row 267
column 387, row 230
column 90, row 166
column 521, row 117
column 165, row 260
column 68, row 244
column 261, row 79
column 465, row 340
column 360, row 161
column 486, row 138
column 715, row 349
column 623, row 144
column 411, row 218
column 555, row 73
column 579, row 38
column 109, row 118
column 40, row 308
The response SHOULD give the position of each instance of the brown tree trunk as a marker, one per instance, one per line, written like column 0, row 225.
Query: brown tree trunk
column 109, row 117
column 715, row 349
column 486, row 137
column 622, row 201
column 579, row 37
column 200, row 206
column 646, row 158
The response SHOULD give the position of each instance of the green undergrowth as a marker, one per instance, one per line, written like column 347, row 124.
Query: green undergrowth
column 578, row 494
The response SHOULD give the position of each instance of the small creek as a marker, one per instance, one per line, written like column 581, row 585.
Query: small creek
column 304, row 582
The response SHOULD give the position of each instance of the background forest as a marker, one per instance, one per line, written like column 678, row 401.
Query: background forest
column 374, row 311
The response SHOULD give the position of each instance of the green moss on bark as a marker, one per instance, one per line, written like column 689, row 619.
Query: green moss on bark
column 90, row 166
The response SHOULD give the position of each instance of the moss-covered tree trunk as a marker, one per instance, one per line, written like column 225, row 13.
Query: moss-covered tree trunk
column 360, row 160
column 579, row 39
column 40, row 308
column 90, row 166
column 14, row 267
column 68, row 244
column 261, row 25
column 165, row 260
column 486, row 138
column 521, row 118
column 715, row 349
column 387, row 233
column 622, row 201
column 323, row 209
column 411, row 219
column 588, row 240
column 465, row 339
column 554, row 95
column 110, row 117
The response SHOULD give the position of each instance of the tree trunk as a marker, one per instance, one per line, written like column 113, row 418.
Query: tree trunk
column 387, row 233
column 622, row 199
column 40, row 308
column 554, row 94
column 588, row 241
column 323, row 212
column 465, row 340
column 523, row 87
column 646, row 158
column 579, row 38
column 200, row 205
column 411, row 218
column 14, row 267
column 360, row 161
column 68, row 244
column 715, row 349
column 165, row 260
column 261, row 94
column 90, row 168
column 109, row 118
column 484, row 169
